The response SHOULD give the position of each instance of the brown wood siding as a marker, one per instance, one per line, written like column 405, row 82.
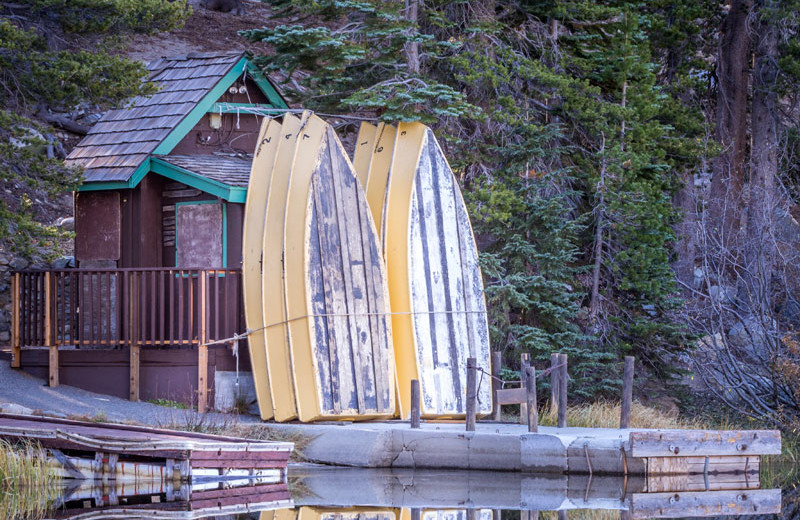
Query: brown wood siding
column 164, row 373
column 236, row 134
column 141, row 224
column 235, row 229
column 97, row 226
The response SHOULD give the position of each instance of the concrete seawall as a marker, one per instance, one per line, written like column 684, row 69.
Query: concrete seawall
column 494, row 446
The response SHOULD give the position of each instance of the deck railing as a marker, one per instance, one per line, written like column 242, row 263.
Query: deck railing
column 95, row 308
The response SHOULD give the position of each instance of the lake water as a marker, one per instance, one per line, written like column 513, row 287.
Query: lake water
column 319, row 493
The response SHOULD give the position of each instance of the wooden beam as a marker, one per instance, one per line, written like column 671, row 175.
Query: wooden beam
column 497, row 363
column 533, row 412
column 554, row 382
column 512, row 396
column 523, row 407
column 627, row 393
column 134, row 372
column 48, row 332
column 16, row 350
column 718, row 503
column 202, row 349
column 472, row 393
column 415, row 412
column 693, row 443
column 562, row 390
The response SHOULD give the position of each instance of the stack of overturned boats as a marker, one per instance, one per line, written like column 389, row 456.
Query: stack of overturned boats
column 359, row 276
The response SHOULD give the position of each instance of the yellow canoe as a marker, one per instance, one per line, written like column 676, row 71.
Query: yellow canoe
column 252, row 250
column 435, row 285
column 325, row 304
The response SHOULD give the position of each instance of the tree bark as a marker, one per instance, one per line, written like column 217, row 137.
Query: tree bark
column 759, row 245
column 729, row 167
column 61, row 121
column 412, row 48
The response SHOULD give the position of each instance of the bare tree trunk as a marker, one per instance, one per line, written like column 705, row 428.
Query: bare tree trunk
column 412, row 48
column 686, row 230
column 600, row 223
column 729, row 168
column 759, row 246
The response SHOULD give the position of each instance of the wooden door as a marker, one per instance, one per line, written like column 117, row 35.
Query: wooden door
column 199, row 239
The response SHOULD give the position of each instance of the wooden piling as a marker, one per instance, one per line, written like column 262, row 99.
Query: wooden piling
column 554, row 381
column 627, row 393
column 134, row 372
column 530, row 387
column 202, row 349
column 562, row 391
column 497, row 362
column 16, row 347
column 415, row 412
column 472, row 394
column 524, row 362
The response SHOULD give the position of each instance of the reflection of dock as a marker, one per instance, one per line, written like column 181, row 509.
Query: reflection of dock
column 431, row 489
column 93, row 500
column 321, row 493
column 120, row 453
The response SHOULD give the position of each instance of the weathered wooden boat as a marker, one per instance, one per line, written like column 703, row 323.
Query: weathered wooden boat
column 252, row 244
column 435, row 287
column 323, row 285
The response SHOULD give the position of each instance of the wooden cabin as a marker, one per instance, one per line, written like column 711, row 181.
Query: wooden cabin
column 158, row 231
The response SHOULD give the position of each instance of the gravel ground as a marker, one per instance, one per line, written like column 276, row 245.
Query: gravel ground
column 21, row 389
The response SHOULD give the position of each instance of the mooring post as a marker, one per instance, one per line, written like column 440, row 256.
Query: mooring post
column 562, row 391
column 524, row 362
column 530, row 387
column 554, row 381
column 472, row 394
column 497, row 361
column 415, row 403
column 627, row 393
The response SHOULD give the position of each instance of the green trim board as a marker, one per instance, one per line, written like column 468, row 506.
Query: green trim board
column 224, row 226
column 273, row 94
column 236, row 194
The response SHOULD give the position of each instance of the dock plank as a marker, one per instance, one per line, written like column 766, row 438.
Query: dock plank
column 685, row 443
column 716, row 503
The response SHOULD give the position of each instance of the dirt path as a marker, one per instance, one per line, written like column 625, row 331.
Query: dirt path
column 23, row 390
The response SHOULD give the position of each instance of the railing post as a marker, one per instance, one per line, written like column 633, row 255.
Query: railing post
column 415, row 412
column 16, row 347
column 48, row 330
column 530, row 387
column 202, row 349
column 627, row 393
column 524, row 361
column 472, row 393
column 497, row 361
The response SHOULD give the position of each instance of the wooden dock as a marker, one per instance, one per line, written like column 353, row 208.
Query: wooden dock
column 121, row 453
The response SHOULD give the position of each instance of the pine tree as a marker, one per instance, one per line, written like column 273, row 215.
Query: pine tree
column 44, row 83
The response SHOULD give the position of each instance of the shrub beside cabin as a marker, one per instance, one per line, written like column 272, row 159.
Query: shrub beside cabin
column 158, row 241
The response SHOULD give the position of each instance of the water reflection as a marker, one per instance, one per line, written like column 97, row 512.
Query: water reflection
column 318, row 493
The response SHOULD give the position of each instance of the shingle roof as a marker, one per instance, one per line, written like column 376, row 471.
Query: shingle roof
column 121, row 141
column 230, row 171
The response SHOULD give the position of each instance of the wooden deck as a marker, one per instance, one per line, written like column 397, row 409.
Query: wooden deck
column 113, row 452
column 128, row 308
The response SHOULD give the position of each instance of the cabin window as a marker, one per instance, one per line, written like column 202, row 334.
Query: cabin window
column 200, row 239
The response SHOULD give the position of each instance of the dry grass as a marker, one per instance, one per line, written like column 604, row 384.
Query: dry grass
column 604, row 414
column 27, row 485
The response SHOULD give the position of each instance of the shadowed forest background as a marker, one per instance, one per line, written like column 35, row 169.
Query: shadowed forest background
column 631, row 168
